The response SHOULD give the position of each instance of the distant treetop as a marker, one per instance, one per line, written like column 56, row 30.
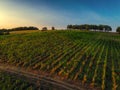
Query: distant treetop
column 118, row 30
column 90, row 27
column 24, row 28
column 53, row 28
column 44, row 29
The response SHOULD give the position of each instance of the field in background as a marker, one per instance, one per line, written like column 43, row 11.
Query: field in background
column 84, row 57
column 24, row 31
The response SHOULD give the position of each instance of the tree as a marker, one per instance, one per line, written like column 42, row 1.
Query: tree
column 69, row 26
column 24, row 28
column 118, row 30
column 94, row 27
column 90, row 27
column 33, row 28
column 75, row 26
column 87, row 27
column 108, row 28
column 101, row 27
column 4, row 31
column 44, row 29
column 53, row 28
column 105, row 28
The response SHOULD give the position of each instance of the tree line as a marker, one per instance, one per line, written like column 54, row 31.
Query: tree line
column 23, row 28
column 105, row 28
column 118, row 30
column 26, row 28
column 6, row 31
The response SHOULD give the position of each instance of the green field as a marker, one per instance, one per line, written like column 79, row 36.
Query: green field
column 85, row 57
column 10, row 82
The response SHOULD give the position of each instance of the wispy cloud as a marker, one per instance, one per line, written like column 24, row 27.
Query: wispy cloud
column 13, row 14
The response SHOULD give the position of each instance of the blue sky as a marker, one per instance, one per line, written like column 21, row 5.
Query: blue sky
column 58, row 13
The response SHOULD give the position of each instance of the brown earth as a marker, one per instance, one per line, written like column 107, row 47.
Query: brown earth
column 44, row 80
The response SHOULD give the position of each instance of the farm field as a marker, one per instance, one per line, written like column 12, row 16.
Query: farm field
column 90, row 58
column 10, row 82
column 15, row 80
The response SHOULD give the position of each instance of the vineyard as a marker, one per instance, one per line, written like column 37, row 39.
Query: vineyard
column 9, row 82
column 84, row 57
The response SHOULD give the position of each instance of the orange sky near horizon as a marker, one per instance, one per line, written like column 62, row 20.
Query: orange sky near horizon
column 12, row 15
column 48, row 13
column 11, row 19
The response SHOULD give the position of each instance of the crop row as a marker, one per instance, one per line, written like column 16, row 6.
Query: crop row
column 87, row 57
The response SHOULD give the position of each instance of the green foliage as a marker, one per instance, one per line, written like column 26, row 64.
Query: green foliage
column 24, row 28
column 118, row 30
column 53, row 28
column 44, row 28
column 91, row 27
column 6, row 31
column 91, row 57
column 11, row 82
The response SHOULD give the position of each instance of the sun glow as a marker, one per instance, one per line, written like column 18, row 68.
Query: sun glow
column 10, row 20
column 3, row 19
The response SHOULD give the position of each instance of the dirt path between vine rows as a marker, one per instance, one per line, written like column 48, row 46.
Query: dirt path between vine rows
column 39, row 78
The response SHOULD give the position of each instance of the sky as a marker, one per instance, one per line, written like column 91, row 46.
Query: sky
column 58, row 13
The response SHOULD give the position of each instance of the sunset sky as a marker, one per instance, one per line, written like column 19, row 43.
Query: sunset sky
column 58, row 13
